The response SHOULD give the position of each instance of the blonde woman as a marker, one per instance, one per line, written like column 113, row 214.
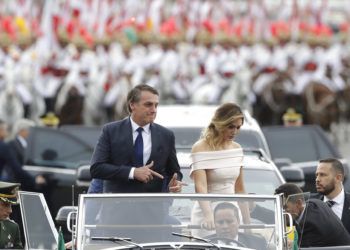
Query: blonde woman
column 217, row 165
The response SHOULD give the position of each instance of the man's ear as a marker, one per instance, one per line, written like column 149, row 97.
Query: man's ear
column 300, row 203
column 339, row 177
column 131, row 106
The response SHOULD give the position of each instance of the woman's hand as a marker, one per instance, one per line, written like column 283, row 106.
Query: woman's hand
column 208, row 222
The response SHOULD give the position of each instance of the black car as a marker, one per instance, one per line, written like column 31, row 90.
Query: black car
column 302, row 147
column 57, row 154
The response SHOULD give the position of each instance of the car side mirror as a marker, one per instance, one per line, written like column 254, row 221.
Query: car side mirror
column 281, row 162
column 66, row 218
column 294, row 175
column 83, row 176
column 63, row 212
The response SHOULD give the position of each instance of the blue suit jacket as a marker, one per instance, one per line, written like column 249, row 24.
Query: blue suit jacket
column 113, row 158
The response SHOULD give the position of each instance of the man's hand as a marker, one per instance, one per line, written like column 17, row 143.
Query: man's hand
column 40, row 180
column 146, row 174
column 175, row 186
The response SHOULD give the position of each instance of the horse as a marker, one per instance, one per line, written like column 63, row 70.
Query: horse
column 274, row 99
column 70, row 99
column 93, row 102
column 343, row 101
column 11, row 106
column 321, row 105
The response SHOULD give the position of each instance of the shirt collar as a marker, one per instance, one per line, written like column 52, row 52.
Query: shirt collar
column 22, row 141
column 339, row 199
column 298, row 220
column 135, row 126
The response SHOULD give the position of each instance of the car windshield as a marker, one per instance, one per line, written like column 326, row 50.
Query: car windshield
column 161, row 221
column 39, row 228
column 297, row 144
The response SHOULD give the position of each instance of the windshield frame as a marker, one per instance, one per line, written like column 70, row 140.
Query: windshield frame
column 279, row 230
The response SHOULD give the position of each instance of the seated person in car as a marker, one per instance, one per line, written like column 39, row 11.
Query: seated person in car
column 226, row 219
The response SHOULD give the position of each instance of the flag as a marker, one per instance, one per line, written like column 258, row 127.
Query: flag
column 293, row 238
column 60, row 241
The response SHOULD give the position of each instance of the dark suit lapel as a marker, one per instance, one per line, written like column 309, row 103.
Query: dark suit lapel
column 20, row 151
column 346, row 212
column 128, row 141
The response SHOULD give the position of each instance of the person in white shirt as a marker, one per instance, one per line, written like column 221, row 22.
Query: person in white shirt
column 329, row 185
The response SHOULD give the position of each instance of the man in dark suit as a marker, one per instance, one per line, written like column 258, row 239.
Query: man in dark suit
column 21, row 130
column 6, row 155
column 226, row 219
column 329, row 185
column 10, row 237
column 134, row 154
column 18, row 146
column 315, row 222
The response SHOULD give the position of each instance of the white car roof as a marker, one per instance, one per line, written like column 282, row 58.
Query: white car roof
column 194, row 116
column 184, row 115
column 199, row 116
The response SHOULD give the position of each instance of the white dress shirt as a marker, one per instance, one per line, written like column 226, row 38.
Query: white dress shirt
column 22, row 141
column 147, row 143
column 339, row 203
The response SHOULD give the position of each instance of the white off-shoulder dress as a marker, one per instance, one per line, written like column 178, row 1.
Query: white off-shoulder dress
column 222, row 170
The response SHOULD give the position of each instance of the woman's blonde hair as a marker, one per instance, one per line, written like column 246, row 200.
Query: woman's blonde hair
column 223, row 117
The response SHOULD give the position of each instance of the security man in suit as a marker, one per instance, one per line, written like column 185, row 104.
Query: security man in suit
column 9, row 230
column 315, row 222
column 329, row 185
column 226, row 219
column 18, row 146
column 136, row 155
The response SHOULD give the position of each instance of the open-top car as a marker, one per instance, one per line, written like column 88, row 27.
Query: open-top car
column 163, row 221
column 151, row 221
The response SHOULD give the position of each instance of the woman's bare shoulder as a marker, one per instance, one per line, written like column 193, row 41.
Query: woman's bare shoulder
column 236, row 145
column 200, row 146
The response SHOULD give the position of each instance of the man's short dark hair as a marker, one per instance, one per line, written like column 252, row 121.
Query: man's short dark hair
column 290, row 191
column 226, row 205
column 336, row 165
column 135, row 94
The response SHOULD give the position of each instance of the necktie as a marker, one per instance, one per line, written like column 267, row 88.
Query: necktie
column 330, row 203
column 138, row 148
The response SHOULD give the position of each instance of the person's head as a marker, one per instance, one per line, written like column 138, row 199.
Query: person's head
column 292, row 118
column 226, row 219
column 22, row 127
column 142, row 103
column 329, row 177
column 3, row 130
column 293, row 199
column 8, row 197
column 225, row 125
